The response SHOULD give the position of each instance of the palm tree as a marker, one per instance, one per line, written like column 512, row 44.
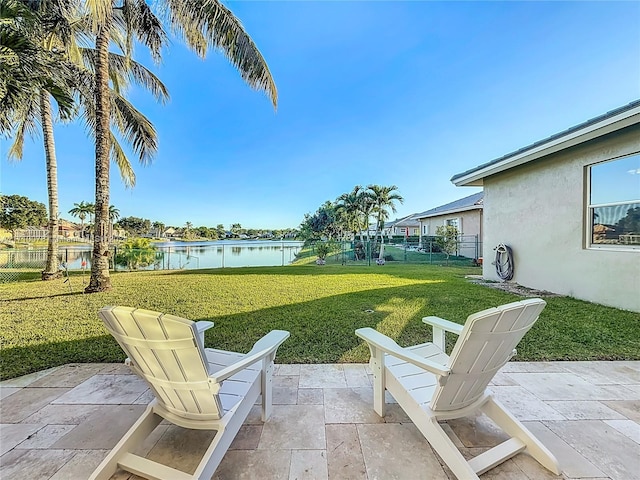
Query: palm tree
column 382, row 199
column 63, row 26
column 201, row 24
column 114, row 215
column 187, row 230
column 158, row 228
column 81, row 210
column 32, row 72
column 351, row 207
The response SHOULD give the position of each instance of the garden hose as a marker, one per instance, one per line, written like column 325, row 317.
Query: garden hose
column 504, row 261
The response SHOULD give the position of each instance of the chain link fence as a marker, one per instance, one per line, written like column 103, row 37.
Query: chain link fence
column 427, row 250
column 18, row 264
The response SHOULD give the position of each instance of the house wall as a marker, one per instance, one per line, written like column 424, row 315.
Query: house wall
column 471, row 225
column 402, row 230
column 539, row 210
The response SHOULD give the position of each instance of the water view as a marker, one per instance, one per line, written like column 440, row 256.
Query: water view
column 174, row 255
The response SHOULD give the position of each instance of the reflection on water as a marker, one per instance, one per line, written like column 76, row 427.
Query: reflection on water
column 171, row 255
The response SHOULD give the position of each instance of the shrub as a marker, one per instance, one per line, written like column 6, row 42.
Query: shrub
column 136, row 253
column 322, row 250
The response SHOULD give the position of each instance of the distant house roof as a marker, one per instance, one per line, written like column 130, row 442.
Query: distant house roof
column 408, row 221
column 596, row 127
column 472, row 202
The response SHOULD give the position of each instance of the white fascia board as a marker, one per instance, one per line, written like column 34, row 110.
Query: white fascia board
column 449, row 212
column 590, row 132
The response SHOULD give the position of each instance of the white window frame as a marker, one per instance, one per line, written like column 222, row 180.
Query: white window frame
column 588, row 225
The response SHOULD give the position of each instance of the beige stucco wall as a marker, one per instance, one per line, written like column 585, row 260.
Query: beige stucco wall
column 471, row 221
column 538, row 209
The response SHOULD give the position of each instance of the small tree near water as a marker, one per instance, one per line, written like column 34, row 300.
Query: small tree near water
column 447, row 239
column 136, row 253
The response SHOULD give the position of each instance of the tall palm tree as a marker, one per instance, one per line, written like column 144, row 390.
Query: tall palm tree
column 383, row 199
column 32, row 72
column 62, row 25
column 201, row 24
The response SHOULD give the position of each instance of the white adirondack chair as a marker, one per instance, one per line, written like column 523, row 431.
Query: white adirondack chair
column 431, row 386
column 195, row 387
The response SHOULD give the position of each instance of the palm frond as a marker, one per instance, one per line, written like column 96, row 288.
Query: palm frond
column 118, row 156
column 142, row 23
column 25, row 124
column 194, row 19
column 136, row 129
column 98, row 11
column 127, row 71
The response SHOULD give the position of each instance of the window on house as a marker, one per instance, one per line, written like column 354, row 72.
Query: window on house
column 425, row 229
column 453, row 222
column 614, row 203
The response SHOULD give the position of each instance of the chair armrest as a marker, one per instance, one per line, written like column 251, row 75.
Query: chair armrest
column 201, row 326
column 443, row 324
column 440, row 327
column 387, row 345
column 261, row 349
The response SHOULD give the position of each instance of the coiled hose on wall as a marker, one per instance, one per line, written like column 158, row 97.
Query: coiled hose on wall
column 504, row 261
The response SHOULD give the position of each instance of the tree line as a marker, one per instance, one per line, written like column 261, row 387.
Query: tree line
column 62, row 52
column 19, row 212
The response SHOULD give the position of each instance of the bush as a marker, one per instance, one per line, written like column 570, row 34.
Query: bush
column 136, row 253
column 322, row 250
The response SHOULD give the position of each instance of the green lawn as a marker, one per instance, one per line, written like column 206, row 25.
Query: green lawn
column 44, row 324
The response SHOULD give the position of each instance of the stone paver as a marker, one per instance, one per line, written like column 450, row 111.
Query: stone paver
column 60, row 423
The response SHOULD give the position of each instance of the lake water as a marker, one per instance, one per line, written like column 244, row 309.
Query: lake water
column 182, row 255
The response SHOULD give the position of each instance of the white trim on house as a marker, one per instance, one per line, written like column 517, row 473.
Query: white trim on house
column 595, row 128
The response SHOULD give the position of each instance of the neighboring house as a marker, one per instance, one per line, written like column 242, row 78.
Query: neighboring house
column 30, row 234
column 119, row 233
column 569, row 207
column 68, row 230
column 406, row 227
column 170, row 232
column 465, row 214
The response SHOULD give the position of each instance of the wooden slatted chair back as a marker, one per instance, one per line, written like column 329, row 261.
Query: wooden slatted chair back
column 485, row 345
column 167, row 352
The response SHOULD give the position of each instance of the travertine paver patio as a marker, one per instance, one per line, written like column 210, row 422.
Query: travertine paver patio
column 60, row 423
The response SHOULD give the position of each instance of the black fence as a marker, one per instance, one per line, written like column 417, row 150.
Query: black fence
column 467, row 251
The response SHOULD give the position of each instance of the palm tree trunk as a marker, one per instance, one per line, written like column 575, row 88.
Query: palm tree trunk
column 100, row 280
column 51, row 268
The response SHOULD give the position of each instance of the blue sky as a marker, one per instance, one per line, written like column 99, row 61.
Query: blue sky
column 391, row 93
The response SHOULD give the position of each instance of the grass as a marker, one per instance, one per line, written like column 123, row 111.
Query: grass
column 44, row 324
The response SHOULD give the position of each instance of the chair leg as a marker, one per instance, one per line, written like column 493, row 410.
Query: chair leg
column 511, row 425
column 228, row 430
column 377, row 367
column 267, row 387
column 442, row 444
column 140, row 430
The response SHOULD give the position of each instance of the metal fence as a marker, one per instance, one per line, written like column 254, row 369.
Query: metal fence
column 467, row 252
column 20, row 263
